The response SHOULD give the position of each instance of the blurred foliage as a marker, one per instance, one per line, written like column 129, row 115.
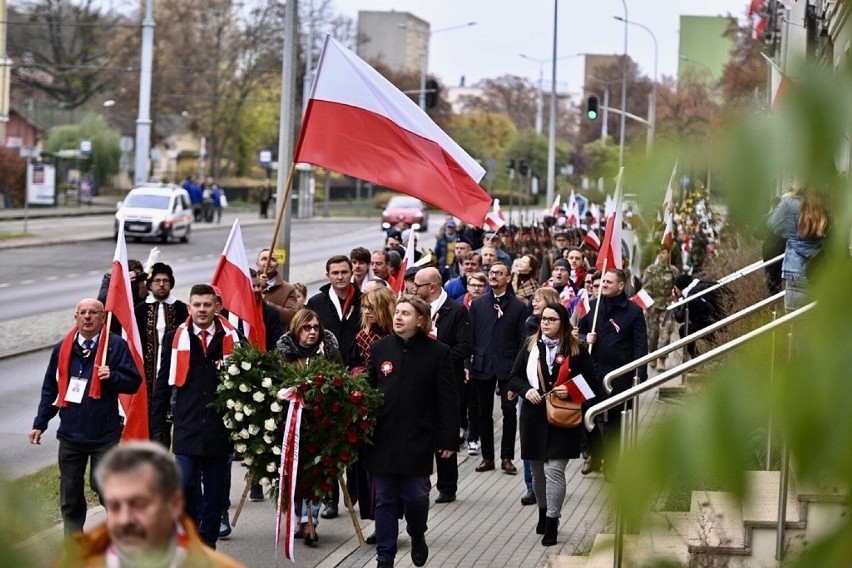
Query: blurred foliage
column 105, row 149
column 755, row 156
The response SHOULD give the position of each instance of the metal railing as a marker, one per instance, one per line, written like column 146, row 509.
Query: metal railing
column 628, row 430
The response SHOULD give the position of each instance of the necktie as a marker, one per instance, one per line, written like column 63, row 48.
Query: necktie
column 88, row 345
column 204, row 333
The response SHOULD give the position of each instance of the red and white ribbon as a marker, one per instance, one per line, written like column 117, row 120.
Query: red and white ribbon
column 288, row 470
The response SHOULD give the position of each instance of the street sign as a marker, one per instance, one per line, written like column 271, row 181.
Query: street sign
column 86, row 147
column 265, row 158
column 280, row 254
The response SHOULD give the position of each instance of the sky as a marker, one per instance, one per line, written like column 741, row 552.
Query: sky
column 506, row 28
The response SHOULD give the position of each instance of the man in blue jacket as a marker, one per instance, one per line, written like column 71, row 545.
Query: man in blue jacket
column 84, row 392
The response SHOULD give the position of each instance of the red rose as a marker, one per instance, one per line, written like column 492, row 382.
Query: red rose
column 316, row 470
column 319, row 380
column 327, row 461
column 347, row 419
column 326, row 487
column 335, row 407
column 356, row 397
column 351, row 436
column 304, row 387
column 344, row 457
column 338, row 382
column 312, row 448
column 317, row 411
column 334, row 471
column 325, row 423
column 362, row 410
column 319, row 398
column 364, row 425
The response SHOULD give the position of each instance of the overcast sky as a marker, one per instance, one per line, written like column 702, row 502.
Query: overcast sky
column 506, row 28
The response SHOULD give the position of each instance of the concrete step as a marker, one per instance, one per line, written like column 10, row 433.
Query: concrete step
column 716, row 524
column 639, row 550
column 760, row 508
column 564, row 561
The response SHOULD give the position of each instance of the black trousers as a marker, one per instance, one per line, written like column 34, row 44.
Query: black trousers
column 448, row 473
column 73, row 459
column 485, row 393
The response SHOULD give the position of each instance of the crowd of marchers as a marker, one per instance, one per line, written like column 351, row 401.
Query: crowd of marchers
column 513, row 317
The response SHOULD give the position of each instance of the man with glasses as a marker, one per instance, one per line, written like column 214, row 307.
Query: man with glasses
column 83, row 389
column 497, row 318
column 450, row 326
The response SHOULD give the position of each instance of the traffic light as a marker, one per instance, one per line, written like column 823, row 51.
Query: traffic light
column 432, row 92
column 524, row 168
column 592, row 107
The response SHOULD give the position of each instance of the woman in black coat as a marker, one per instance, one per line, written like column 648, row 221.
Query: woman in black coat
column 550, row 358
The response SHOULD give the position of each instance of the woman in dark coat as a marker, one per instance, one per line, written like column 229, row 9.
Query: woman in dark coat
column 548, row 448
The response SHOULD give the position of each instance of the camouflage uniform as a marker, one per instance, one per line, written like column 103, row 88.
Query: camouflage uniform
column 658, row 281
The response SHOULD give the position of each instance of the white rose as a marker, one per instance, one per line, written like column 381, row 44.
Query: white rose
column 264, row 481
column 276, row 450
column 229, row 424
column 228, row 384
column 275, row 407
column 266, row 382
column 260, row 450
column 238, row 406
column 244, row 434
column 238, row 417
column 253, row 429
column 244, row 387
column 248, row 460
column 283, row 392
column 269, row 424
column 248, row 410
column 230, row 403
column 267, row 438
column 233, row 370
column 258, row 396
column 241, row 448
column 245, row 365
column 271, row 467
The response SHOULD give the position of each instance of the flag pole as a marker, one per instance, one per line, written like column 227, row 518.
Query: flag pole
column 280, row 216
column 597, row 305
column 107, row 325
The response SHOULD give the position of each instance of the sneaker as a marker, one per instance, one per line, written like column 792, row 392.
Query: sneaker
column 256, row 493
column 329, row 511
column 225, row 526
column 473, row 448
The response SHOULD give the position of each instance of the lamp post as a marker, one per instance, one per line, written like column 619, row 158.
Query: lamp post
column 425, row 52
column 652, row 118
column 551, row 133
column 623, row 91
column 539, row 109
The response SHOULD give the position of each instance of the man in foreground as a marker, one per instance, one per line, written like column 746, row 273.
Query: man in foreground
column 145, row 524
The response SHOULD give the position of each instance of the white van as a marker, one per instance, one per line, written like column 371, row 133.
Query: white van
column 160, row 211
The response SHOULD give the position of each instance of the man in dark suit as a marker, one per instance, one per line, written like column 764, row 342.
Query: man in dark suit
column 202, row 444
column 451, row 326
column 497, row 318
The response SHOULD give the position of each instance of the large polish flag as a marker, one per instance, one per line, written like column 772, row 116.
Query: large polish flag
column 119, row 302
column 610, row 253
column 495, row 218
column 233, row 280
column 668, row 213
column 583, row 306
column 360, row 124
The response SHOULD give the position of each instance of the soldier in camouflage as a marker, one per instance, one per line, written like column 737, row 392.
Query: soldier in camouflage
column 658, row 281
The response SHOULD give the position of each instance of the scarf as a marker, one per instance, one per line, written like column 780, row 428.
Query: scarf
column 181, row 346
column 532, row 368
column 177, row 551
column 62, row 375
column 346, row 311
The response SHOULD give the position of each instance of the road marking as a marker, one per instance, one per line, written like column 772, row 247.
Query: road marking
column 75, row 275
column 25, row 282
column 94, row 272
column 5, row 285
column 52, row 278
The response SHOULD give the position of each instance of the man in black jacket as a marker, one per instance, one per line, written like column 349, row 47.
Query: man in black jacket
column 338, row 305
column 418, row 413
column 202, row 444
column 451, row 326
column 620, row 337
column 497, row 318
column 89, row 422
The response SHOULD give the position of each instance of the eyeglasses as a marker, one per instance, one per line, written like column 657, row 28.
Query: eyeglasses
column 160, row 281
column 418, row 286
column 549, row 320
column 89, row 313
column 311, row 327
column 498, row 273
column 367, row 308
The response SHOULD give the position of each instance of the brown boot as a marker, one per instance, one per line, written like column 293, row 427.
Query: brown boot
column 486, row 465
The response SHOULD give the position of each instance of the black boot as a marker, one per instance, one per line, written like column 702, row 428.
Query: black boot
column 542, row 515
column 550, row 527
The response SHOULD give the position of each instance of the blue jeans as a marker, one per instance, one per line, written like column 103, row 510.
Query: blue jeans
column 413, row 492
column 203, row 487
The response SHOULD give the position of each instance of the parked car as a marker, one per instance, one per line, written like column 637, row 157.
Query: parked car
column 157, row 211
column 408, row 210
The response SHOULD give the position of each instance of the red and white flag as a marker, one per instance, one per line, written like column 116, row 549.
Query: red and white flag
column 779, row 83
column 233, row 280
column 554, row 209
column 579, row 389
column 583, row 306
column 668, row 212
column 119, row 302
column 596, row 216
column 359, row 124
column 572, row 213
column 642, row 299
column 495, row 218
column 592, row 239
column 609, row 208
column 397, row 283
column 611, row 247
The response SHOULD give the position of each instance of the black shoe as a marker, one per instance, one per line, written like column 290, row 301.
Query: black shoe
column 311, row 540
column 419, row 550
column 384, row 564
column 542, row 520
column 528, row 498
column 371, row 539
column 225, row 526
column 256, row 493
column 550, row 528
column 445, row 497
column 329, row 511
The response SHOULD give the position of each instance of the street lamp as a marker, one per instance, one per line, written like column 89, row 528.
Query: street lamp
column 424, row 53
column 653, row 112
column 540, row 102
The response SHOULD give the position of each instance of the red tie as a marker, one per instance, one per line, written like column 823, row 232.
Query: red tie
column 204, row 333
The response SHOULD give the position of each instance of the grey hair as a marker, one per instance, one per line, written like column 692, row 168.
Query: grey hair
column 133, row 456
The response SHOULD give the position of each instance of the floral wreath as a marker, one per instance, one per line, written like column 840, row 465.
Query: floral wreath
column 339, row 415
